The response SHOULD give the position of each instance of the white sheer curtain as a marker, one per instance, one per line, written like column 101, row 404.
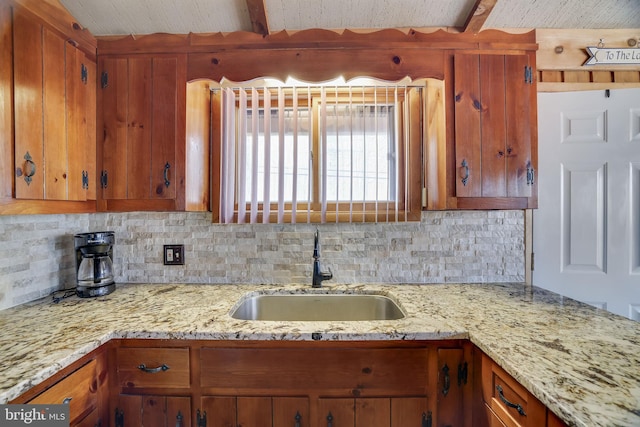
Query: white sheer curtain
column 273, row 136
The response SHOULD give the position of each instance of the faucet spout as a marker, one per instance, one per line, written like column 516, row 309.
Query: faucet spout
column 318, row 275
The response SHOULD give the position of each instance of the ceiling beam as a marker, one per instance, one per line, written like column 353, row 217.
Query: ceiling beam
column 258, row 15
column 478, row 15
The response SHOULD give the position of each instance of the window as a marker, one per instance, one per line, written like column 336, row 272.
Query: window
column 318, row 153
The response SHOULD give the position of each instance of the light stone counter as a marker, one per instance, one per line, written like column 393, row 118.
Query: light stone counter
column 583, row 363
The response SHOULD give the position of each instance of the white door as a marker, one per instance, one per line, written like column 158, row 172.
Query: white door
column 586, row 232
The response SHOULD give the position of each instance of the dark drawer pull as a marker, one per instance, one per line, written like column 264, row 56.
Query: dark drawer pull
column 144, row 368
column 509, row 404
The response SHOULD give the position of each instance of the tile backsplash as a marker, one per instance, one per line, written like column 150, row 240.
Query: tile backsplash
column 36, row 253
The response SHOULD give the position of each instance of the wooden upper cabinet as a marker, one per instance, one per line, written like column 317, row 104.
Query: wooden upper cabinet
column 495, row 131
column 142, row 101
column 54, row 124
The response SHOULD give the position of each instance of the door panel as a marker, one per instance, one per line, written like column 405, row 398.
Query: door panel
column 586, row 230
column 336, row 413
column 493, row 119
column 27, row 75
column 373, row 412
column 220, row 411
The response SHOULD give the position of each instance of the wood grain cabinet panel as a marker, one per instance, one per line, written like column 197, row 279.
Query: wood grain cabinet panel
column 509, row 401
column 495, row 131
column 142, row 102
column 153, row 367
column 54, row 127
column 83, row 386
column 142, row 410
column 79, row 390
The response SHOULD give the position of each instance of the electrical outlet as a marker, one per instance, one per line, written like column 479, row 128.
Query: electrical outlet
column 173, row 254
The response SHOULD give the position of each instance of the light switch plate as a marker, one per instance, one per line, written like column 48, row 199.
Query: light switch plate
column 173, row 254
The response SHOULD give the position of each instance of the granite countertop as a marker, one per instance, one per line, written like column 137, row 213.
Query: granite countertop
column 581, row 362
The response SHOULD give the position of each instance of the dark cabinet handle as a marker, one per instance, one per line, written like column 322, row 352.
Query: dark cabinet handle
column 446, row 380
column 179, row 419
column 66, row 400
column 516, row 406
column 28, row 169
column 464, row 172
column 167, row 183
column 144, row 368
column 329, row 420
column 297, row 418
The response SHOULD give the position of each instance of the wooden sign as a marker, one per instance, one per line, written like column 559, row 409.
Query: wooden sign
column 612, row 55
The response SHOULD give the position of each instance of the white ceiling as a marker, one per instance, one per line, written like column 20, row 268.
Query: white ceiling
column 122, row 17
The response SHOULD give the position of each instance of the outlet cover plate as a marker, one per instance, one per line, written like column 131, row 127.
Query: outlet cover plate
column 173, row 254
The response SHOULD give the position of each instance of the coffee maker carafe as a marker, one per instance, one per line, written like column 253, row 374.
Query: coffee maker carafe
column 94, row 264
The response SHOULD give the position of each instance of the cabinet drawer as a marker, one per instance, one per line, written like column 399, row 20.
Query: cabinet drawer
column 356, row 372
column 81, row 387
column 509, row 400
column 153, row 367
column 494, row 421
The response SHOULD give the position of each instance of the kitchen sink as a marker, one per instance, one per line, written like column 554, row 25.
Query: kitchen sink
column 317, row 307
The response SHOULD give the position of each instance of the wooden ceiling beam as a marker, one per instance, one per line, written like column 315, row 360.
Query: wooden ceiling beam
column 258, row 15
column 478, row 16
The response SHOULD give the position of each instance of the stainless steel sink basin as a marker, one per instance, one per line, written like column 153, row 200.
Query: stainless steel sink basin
column 318, row 307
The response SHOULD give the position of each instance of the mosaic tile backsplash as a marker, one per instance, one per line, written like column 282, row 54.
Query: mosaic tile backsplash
column 36, row 251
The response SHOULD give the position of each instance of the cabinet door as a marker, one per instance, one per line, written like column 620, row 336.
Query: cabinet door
column 138, row 153
column 114, row 91
column 493, row 126
column 373, row 412
column 220, row 411
column 28, row 108
column 254, row 411
column 164, row 129
column 51, row 120
column 144, row 114
column 451, row 366
column 336, row 413
column 90, row 116
column 136, row 411
column 290, row 412
column 410, row 411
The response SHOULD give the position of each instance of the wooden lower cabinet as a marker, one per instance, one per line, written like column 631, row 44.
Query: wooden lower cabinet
column 374, row 412
column 507, row 403
column 152, row 411
column 231, row 411
column 83, row 386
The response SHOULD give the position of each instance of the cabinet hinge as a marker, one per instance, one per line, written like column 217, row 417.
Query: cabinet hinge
column 119, row 421
column 84, row 74
column 104, row 79
column 533, row 257
column 104, row 177
column 463, row 373
column 85, row 180
column 528, row 74
column 531, row 174
column 427, row 419
column 201, row 419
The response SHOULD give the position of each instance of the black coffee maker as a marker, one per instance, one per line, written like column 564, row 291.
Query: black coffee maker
column 94, row 263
